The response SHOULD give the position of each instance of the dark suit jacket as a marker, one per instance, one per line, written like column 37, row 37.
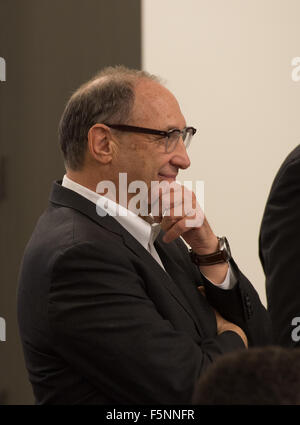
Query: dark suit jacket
column 102, row 322
column 279, row 248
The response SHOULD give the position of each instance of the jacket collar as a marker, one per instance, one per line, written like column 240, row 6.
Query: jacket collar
column 68, row 198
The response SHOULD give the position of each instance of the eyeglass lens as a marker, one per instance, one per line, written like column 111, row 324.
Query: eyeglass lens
column 171, row 142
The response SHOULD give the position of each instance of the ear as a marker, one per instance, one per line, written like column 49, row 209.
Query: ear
column 100, row 143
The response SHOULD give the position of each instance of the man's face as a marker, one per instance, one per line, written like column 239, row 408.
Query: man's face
column 143, row 156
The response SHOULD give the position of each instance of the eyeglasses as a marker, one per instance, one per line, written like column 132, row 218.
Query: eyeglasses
column 172, row 136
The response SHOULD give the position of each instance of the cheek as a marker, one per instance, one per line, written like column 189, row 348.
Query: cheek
column 143, row 170
column 133, row 147
column 143, row 162
column 136, row 167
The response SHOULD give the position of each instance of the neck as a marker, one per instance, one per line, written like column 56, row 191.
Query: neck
column 83, row 179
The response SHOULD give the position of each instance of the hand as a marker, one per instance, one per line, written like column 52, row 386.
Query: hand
column 179, row 213
column 177, row 209
column 224, row 325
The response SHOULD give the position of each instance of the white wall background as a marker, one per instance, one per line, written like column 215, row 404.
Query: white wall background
column 229, row 64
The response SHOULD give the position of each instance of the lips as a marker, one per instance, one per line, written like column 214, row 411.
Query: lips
column 167, row 176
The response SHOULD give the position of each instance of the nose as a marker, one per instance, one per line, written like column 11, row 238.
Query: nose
column 180, row 157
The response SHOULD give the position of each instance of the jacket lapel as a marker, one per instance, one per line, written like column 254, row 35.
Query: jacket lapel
column 198, row 305
column 166, row 276
column 68, row 198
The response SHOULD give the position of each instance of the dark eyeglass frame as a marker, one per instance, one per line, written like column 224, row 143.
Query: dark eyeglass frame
column 164, row 134
column 134, row 129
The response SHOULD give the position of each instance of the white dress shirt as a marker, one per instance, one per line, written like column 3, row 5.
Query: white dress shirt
column 144, row 232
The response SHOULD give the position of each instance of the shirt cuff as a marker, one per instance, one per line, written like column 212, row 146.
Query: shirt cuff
column 228, row 283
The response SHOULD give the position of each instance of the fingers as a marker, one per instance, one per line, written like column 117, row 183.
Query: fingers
column 173, row 200
column 175, row 226
column 175, row 231
column 164, row 196
column 176, row 207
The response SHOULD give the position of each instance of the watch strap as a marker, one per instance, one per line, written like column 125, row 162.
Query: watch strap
column 221, row 256
column 209, row 259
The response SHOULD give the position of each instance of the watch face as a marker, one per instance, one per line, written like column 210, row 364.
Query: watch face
column 222, row 255
column 226, row 248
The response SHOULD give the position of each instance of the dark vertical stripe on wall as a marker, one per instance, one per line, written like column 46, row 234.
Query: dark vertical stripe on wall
column 50, row 48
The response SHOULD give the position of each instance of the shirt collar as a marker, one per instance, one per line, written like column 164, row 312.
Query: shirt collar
column 145, row 233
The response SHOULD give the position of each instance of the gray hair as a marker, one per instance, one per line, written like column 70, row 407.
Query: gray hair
column 107, row 97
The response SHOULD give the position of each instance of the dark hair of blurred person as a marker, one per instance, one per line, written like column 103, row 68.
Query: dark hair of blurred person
column 257, row 376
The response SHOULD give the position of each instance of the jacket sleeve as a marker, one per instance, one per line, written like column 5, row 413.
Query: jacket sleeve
column 279, row 251
column 105, row 326
column 240, row 305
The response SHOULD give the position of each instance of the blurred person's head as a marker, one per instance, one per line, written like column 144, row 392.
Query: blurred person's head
column 269, row 375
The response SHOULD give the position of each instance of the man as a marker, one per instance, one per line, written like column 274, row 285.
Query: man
column 109, row 312
column 278, row 248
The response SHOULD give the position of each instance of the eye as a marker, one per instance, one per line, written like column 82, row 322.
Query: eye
column 160, row 139
column 174, row 134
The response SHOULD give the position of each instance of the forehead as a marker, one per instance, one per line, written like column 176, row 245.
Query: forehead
column 156, row 107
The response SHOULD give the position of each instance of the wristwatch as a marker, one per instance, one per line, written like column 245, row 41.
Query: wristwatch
column 221, row 256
